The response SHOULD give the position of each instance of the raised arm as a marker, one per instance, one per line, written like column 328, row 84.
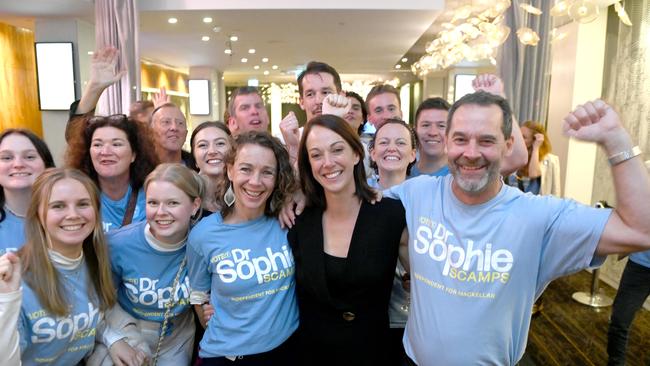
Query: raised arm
column 103, row 73
column 10, row 302
column 519, row 156
column 628, row 228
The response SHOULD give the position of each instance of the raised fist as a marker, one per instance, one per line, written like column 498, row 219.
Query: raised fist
column 336, row 104
column 489, row 83
column 10, row 272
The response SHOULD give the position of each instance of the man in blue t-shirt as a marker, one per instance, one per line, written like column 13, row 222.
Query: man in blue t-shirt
column 482, row 252
column 430, row 125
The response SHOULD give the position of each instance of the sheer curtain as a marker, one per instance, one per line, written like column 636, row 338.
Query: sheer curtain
column 525, row 70
column 116, row 24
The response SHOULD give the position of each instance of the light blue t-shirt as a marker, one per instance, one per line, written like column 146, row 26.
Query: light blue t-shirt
column 51, row 340
column 113, row 211
column 144, row 276
column 477, row 269
column 249, row 270
column 415, row 172
column 12, row 233
column 642, row 258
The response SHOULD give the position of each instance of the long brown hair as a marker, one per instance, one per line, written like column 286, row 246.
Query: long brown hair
column 538, row 128
column 39, row 272
column 310, row 186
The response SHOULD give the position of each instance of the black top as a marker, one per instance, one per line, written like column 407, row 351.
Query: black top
column 344, row 319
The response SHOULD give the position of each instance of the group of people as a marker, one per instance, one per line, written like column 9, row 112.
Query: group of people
column 332, row 248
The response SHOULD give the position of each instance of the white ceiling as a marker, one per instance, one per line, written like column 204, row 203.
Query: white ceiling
column 356, row 37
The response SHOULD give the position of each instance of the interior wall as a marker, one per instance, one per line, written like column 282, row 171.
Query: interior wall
column 18, row 88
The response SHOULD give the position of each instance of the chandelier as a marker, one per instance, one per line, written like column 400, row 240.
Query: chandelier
column 476, row 32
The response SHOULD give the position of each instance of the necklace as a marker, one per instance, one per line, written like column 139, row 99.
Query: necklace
column 14, row 212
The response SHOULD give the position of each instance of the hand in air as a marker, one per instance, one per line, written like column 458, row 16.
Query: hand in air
column 290, row 130
column 103, row 67
column 10, row 273
column 489, row 83
column 336, row 104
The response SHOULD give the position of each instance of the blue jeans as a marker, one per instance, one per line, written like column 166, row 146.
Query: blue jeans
column 633, row 289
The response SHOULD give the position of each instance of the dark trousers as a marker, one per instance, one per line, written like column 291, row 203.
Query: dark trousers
column 282, row 355
column 396, row 345
column 633, row 289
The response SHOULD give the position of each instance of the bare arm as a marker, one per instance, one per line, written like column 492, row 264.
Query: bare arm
column 11, row 296
column 102, row 75
column 404, row 250
column 628, row 228
column 534, row 168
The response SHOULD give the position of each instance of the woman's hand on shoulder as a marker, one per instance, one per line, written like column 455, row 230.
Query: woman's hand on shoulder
column 292, row 207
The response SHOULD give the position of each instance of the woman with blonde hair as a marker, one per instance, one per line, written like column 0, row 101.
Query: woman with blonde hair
column 66, row 280
column 149, row 266
column 542, row 173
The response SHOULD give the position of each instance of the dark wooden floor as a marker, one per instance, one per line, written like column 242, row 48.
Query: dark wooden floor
column 569, row 333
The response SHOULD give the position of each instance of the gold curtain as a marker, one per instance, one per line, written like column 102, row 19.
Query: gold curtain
column 18, row 89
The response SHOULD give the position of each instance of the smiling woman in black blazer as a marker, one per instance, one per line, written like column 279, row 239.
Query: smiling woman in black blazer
column 345, row 249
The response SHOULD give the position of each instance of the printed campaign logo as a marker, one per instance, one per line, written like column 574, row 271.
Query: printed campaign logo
column 240, row 264
column 74, row 326
column 150, row 291
column 472, row 262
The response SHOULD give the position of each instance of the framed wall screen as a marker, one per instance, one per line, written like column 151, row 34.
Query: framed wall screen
column 199, row 97
column 55, row 75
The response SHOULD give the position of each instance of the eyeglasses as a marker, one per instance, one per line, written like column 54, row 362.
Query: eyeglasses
column 115, row 118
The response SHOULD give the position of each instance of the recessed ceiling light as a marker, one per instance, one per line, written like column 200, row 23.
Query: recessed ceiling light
column 227, row 51
column 398, row 66
column 207, row 20
column 404, row 59
column 266, row 72
column 172, row 20
column 274, row 67
column 265, row 59
column 251, row 50
column 256, row 67
column 205, row 38
column 91, row 52
column 234, row 38
column 244, row 60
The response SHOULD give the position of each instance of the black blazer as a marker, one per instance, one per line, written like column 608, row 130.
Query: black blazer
column 349, row 327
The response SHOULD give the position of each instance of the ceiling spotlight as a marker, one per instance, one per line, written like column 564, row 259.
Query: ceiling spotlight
column 404, row 59
column 91, row 53
column 251, row 51
column 216, row 29
column 172, row 20
column 207, row 20
column 244, row 60
column 266, row 72
column 234, row 38
column 398, row 66
column 265, row 59
column 256, row 67
column 227, row 51
column 205, row 38
column 274, row 67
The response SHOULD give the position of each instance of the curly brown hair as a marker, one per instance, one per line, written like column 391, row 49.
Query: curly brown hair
column 138, row 134
column 285, row 182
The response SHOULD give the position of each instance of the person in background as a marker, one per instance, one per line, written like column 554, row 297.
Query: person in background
column 633, row 290
column 358, row 113
column 148, row 262
column 210, row 141
column 542, row 173
column 239, row 260
column 115, row 152
column 23, row 157
column 383, row 103
column 430, row 126
column 246, row 111
column 65, row 285
column 392, row 152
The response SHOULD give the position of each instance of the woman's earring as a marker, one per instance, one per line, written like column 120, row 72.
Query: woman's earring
column 229, row 197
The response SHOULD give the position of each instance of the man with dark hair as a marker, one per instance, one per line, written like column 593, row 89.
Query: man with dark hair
column 383, row 103
column 482, row 251
column 247, row 111
column 430, row 127
column 315, row 83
